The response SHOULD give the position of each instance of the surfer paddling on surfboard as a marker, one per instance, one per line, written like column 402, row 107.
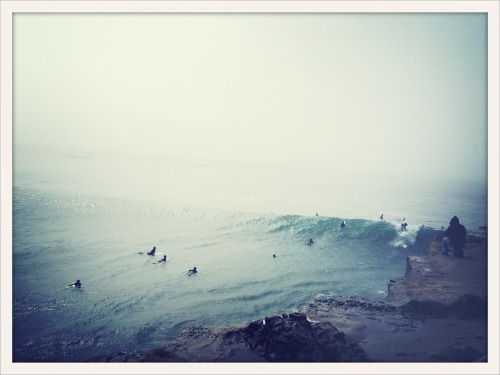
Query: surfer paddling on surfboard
column 162, row 260
column 77, row 285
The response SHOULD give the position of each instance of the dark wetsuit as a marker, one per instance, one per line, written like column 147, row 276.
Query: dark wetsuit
column 78, row 284
column 152, row 252
column 456, row 232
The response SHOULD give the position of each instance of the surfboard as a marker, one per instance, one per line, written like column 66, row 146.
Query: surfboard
column 161, row 261
column 75, row 288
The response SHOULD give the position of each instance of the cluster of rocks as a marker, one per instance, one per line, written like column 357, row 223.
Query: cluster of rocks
column 282, row 338
column 467, row 306
column 293, row 338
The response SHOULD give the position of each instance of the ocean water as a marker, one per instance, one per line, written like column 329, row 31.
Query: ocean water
column 79, row 218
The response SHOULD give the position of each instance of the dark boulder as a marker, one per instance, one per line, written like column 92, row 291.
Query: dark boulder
column 422, row 310
column 458, row 353
column 294, row 338
column 470, row 306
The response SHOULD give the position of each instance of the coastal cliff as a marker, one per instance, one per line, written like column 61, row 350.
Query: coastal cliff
column 436, row 312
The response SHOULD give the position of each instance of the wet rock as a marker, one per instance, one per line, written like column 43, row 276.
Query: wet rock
column 457, row 353
column 474, row 238
column 422, row 310
column 295, row 339
column 470, row 306
column 253, row 326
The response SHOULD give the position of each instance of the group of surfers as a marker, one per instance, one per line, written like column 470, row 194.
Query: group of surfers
column 152, row 253
column 193, row 271
column 342, row 226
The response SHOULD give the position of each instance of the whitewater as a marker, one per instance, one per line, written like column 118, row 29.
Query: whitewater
column 73, row 221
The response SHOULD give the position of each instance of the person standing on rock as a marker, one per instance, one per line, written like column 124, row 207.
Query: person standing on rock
column 454, row 236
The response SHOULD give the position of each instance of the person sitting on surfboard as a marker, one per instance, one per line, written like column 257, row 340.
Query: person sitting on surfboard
column 192, row 272
column 163, row 260
column 153, row 250
column 311, row 242
column 78, row 284
column 342, row 224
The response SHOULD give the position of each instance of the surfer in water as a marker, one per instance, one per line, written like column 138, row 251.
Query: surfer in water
column 163, row 260
column 78, row 284
column 382, row 217
column 192, row 272
column 403, row 226
column 311, row 242
column 153, row 251
column 342, row 225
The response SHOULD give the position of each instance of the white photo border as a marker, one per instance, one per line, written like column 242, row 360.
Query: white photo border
column 9, row 8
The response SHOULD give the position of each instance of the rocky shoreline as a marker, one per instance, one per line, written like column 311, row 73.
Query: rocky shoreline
column 437, row 312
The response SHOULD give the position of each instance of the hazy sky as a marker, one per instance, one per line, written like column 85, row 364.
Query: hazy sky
column 363, row 93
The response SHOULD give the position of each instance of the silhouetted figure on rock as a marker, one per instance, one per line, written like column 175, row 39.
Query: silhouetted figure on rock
column 454, row 236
